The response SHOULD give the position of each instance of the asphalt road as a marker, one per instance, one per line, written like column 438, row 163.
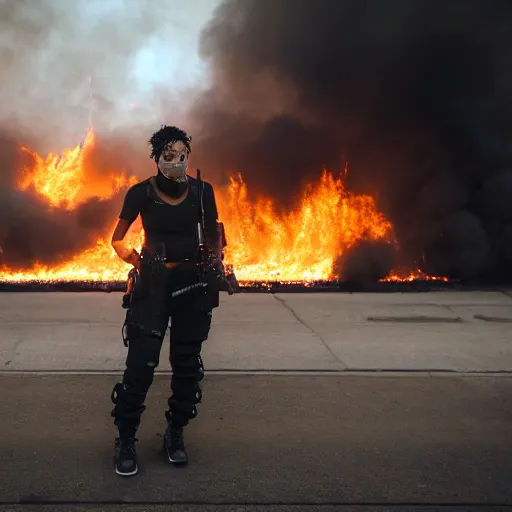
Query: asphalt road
column 313, row 402
column 260, row 442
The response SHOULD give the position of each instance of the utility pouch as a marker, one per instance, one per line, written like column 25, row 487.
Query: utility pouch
column 152, row 271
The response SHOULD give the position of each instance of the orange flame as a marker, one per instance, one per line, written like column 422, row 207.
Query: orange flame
column 410, row 276
column 301, row 246
column 304, row 244
column 66, row 181
column 98, row 263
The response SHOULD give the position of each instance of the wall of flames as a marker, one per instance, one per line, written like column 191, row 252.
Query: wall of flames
column 263, row 245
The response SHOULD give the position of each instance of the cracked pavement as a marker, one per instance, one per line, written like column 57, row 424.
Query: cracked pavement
column 333, row 332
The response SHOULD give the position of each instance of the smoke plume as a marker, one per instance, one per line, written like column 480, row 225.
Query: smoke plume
column 64, row 65
column 415, row 96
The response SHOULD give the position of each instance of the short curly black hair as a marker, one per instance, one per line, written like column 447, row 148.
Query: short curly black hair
column 165, row 135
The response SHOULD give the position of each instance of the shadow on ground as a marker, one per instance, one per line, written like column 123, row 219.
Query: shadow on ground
column 264, row 440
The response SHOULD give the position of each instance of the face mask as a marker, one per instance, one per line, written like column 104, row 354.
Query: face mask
column 171, row 188
column 173, row 162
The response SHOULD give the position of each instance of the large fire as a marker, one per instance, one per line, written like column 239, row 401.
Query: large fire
column 263, row 245
column 65, row 181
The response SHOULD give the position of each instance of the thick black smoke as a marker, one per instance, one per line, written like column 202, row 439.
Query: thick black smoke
column 415, row 95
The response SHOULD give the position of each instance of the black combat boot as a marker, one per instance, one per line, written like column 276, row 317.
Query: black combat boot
column 174, row 445
column 126, row 456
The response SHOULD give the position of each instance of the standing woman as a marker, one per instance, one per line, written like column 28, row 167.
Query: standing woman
column 168, row 286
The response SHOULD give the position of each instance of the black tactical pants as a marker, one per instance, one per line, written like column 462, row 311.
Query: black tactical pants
column 148, row 319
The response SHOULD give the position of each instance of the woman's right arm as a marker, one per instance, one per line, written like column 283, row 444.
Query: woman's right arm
column 127, row 254
column 132, row 206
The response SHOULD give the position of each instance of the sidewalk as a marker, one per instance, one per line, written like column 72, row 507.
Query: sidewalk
column 446, row 331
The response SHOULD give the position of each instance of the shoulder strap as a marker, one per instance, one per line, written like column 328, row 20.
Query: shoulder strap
column 149, row 189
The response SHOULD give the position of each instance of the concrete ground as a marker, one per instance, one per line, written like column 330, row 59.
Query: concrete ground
column 311, row 402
